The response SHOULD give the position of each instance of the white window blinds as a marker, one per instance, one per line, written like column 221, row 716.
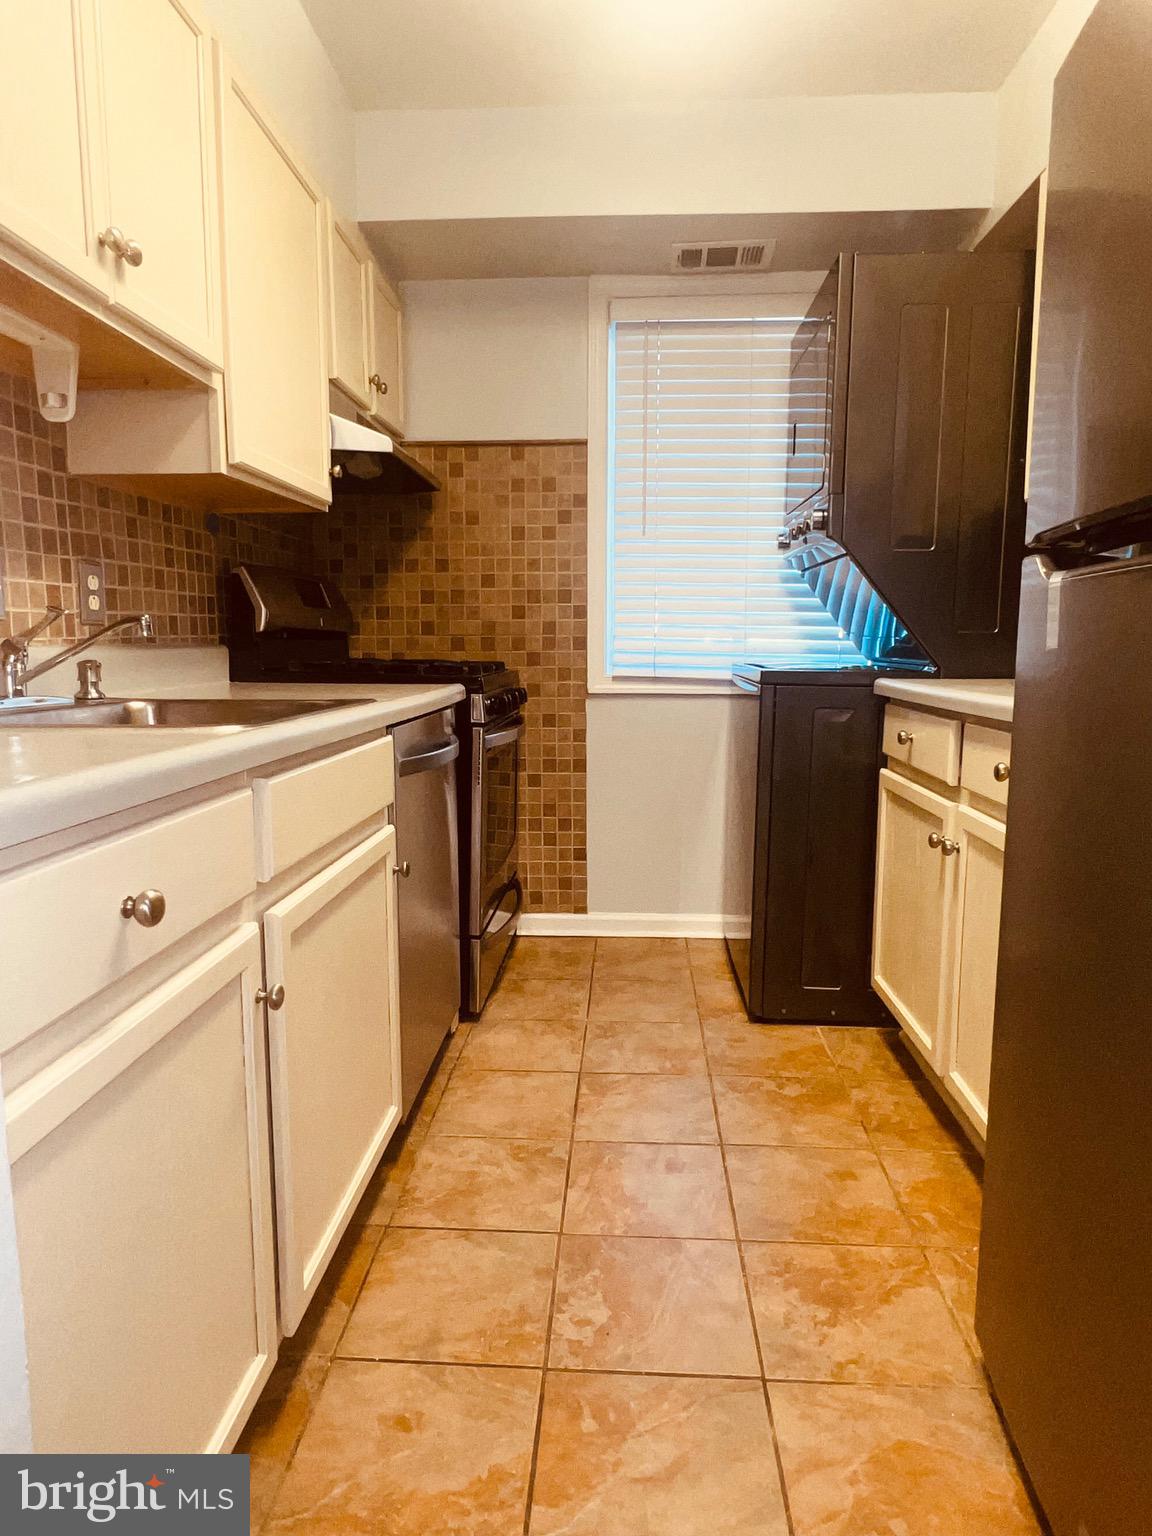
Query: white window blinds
column 698, row 426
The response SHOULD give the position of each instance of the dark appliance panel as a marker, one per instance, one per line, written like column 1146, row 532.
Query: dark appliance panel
column 801, row 948
column 936, row 427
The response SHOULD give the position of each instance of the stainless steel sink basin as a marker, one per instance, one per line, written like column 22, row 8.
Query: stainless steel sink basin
column 173, row 714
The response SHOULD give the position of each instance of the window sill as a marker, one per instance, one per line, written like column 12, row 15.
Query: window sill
column 680, row 688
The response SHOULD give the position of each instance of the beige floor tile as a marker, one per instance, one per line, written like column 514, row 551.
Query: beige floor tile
column 940, row 1193
column 560, row 959
column 864, row 1052
column 815, row 1195
column 323, row 1323
column 787, row 1050
column 525, row 1105
column 788, row 1112
column 276, row 1423
column 636, row 1189
column 653, row 959
column 413, row 1450
column 525, row 1045
column 652, row 1304
column 708, row 957
column 380, row 1199
column 718, row 999
column 531, row 997
column 870, row 1461
column 955, row 1269
column 458, row 1181
column 478, row 1298
column 635, row 1106
column 905, row 1116
column 655, row 1456
column 854, row 1314
column 635, row 1045
column 658, row 999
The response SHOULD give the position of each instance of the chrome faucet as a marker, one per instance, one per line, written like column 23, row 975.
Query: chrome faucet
column 17, row 674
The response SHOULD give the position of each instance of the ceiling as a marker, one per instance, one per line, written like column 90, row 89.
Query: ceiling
column 505, row 53
column 642, row 243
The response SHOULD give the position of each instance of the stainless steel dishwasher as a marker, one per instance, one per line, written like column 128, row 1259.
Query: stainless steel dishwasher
column 428, row 890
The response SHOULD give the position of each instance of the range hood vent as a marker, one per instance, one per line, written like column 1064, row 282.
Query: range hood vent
column 368, row 463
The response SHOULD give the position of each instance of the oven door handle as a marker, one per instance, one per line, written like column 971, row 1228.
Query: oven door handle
column 494, row 739
column 424, row 762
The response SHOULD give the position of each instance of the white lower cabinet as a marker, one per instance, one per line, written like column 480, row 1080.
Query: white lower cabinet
column 334, row 1055
column 936, row 933
column 914, row 896
column 976, row 939
column 143, row 1208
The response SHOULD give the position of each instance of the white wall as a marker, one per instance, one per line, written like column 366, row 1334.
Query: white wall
column 272, row 44
column 839, row 153
column 657, row 775
column 496, row 359
column 1024, row 105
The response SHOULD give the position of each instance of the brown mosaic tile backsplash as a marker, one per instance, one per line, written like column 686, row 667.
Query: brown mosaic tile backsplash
column 493, row 566
column 157, row 557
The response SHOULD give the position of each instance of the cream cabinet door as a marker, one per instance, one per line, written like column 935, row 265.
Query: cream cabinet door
column 334, row 1055
column 915, row 885
column 160, row 152
column 50, row 199
column 976, row 932
column 142, row 1194
column 386, row 355
column 276, row 364
column 349, row 320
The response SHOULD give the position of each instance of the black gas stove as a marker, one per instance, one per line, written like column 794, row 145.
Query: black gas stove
column 284, row 628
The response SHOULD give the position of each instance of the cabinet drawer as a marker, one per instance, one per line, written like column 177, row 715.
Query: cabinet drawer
column 925, row 742
column 987, row 760
column 65, row 938
column 301, row 811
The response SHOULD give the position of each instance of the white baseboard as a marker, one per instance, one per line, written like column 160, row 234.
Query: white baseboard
column 641, row 925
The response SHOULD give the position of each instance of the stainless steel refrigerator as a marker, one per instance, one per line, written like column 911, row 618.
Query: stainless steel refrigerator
column 1064, row 1303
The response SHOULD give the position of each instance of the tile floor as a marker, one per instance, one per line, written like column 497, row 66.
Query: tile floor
column 640, row 1267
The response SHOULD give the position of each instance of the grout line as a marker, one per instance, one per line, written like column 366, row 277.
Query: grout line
column 751, row 1309
column 539, row 1425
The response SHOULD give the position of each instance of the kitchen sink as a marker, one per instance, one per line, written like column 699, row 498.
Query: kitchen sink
column 172, row 714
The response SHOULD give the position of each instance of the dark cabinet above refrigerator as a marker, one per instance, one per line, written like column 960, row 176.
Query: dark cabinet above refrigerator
column 908, row 415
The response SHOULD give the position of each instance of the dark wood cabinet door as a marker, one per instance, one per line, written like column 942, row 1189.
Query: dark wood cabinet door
column 934, row 456
column 816, row 868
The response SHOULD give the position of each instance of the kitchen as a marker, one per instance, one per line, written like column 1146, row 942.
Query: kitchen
column 546, row 958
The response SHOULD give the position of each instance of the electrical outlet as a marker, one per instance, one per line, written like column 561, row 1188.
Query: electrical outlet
column 92, row 606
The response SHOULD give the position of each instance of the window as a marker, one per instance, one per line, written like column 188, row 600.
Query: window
column 697, row 437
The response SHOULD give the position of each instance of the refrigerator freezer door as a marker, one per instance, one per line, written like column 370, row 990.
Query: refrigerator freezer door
column 1063, row 1310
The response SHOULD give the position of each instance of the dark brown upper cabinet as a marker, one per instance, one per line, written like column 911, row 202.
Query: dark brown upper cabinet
column 924, row 434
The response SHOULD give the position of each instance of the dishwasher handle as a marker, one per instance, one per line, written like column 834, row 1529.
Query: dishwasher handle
column 425, row 762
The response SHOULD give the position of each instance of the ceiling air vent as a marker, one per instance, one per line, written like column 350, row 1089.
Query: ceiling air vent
column 724, row 256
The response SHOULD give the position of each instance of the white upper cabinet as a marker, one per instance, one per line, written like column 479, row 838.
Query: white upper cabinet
column 276, row 353
column 47, row 84
column 386, row 359
column 155, row 61
column 349, row 320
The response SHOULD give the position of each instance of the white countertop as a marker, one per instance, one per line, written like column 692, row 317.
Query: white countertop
column 55, row 778
column 983, row 698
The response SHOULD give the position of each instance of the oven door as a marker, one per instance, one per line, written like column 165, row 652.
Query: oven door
column 495, row 814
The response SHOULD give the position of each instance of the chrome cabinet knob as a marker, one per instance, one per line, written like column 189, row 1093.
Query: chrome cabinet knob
column 934, row 839
column 1000, row 773
column 148, row 908
column 904, row 738
column 378, row 383
column 114, row 239
column 273, row 996
column 404, row 869
column 948, row 847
